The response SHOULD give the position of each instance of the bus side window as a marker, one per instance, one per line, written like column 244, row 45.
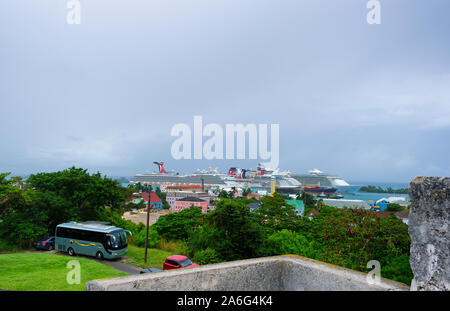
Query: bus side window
column 61, row 232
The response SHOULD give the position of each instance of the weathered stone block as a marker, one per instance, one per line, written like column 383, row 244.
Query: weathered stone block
column 428, row 227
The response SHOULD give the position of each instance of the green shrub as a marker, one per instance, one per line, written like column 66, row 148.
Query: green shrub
column 201, row 238
column 398, row 269
column 394, row 207
column 286, row 242
column 207, row 256
column 182, row 248
column 178, row 247
column 153, row 237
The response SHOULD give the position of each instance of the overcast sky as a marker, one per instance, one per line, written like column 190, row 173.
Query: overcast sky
column 366, row 102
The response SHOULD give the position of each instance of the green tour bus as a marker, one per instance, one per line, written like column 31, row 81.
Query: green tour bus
column 91, row 238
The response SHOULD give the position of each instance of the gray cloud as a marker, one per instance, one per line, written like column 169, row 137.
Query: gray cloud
column 368, row 102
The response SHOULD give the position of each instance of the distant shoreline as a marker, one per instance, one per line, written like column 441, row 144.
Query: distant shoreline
column 388, row 190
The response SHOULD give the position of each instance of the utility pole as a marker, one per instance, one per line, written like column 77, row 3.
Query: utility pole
column 148, row 220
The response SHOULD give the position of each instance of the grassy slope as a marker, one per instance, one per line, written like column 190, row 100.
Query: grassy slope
column 37, row 271
column 155, row 257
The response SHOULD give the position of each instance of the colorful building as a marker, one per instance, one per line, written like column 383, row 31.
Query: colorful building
column 188, row 202
column 381, row 205
column 298, row 205
column 173, row 197
column 155, row 201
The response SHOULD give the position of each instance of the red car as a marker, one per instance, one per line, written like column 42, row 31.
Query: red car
column 178, row 262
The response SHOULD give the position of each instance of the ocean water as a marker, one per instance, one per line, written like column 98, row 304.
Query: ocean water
column 351, row 192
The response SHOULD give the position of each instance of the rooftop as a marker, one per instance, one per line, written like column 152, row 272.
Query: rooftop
column 297, row 204
column 191, row 199
column 153, row 197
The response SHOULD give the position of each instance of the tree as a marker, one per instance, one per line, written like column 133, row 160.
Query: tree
column 86, row 194
column 232, row 192
column 139, row 187
column 378, row 189
column 352, row 237
column 276, row 214
column 7, row 186
column 246, row 192
column 176, row 226
column 308, row 200
column 8, row 190
column 223, row 194
column 24, row 220
column 235, row 233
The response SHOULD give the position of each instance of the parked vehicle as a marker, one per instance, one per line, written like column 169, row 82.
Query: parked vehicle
column 150, row 270
column 178, row 262
column 91, row 238
column 47, row 243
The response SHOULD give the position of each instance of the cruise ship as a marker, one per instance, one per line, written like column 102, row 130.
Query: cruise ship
column 256, row 180
column 316, row 178
column 260, row 179
column 163, row 178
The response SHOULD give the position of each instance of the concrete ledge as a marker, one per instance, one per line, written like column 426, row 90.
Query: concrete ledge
column 290, row 272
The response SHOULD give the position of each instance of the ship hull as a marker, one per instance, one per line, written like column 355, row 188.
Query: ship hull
column 326, row 190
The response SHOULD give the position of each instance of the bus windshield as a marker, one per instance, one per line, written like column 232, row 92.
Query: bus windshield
column 117, row 240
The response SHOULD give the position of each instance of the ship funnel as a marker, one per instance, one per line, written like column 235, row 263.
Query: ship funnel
column 161, row 167
column 232, row 171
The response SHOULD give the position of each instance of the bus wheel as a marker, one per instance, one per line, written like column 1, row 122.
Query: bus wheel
column 71, row 251
column 99, row 255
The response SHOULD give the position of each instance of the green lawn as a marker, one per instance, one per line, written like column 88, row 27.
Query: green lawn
column 48, row 272
column 155, row 257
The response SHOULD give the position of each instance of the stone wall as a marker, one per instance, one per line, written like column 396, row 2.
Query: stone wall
column 428, row 227
column 279, row 273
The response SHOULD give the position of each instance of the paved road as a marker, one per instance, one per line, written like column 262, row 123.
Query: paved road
column 116, row 264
